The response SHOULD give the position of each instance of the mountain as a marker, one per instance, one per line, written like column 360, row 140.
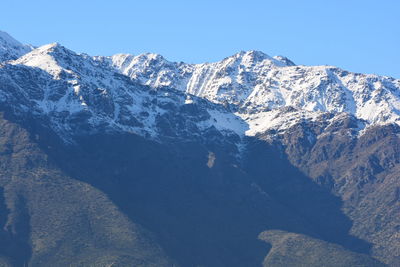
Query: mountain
column 79, row 95
column 137, row 161
column 11, row 48
column 289, row 249
column 256, row 82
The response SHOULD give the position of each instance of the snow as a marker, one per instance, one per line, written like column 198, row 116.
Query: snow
column 256, row 82
column 188, row 100
column 11, row 48
column 248, row 93
column 276, row 119
column 225, row 122
column 41, row 58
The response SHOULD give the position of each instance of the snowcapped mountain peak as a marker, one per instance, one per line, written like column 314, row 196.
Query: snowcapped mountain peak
column 231, row 79
column 7, row 39
column 255, row 82
column 149, row 68
column 153, row 56
column 11, row 48
column 253, row 54
column 54, row 48
column 249, row 89
column 57, row 60
column 284, row 60
column 126, row 61
column 255, row 57
column 47, row 57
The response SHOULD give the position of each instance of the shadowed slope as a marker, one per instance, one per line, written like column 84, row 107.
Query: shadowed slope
column 296, row 250
column 53, row 220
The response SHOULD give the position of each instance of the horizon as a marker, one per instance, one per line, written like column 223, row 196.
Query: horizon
column 360, row 39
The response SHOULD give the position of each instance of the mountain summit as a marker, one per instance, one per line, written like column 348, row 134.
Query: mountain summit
column 134, row 160
column 11, row 48
column 255, row 82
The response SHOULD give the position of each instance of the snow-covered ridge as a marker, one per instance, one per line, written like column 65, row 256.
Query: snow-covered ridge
column 80, row 95
column 11, row 48
column 256, row 82
column 246, row 94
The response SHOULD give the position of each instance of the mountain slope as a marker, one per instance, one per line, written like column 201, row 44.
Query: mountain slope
column 290, row 249
column 362, row 170
column 149, row 162
column 10, row 48
column 78, row 96
column 50, row 219
column 256, row 82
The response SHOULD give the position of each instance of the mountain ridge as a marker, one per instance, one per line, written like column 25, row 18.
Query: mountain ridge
column 203, row 157
column 259, row 84
column 10, row 48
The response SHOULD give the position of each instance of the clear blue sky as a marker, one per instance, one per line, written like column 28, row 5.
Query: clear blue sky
column 360, row 36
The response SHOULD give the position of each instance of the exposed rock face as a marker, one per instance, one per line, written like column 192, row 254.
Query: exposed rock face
column 362, row 170
column 137, row 161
